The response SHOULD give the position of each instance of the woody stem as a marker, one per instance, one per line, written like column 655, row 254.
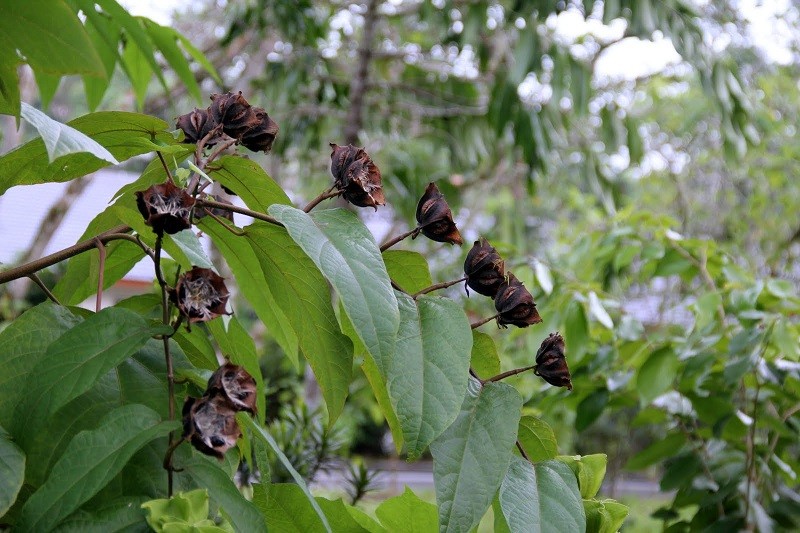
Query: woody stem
column 391, row 242
column 167, row 357
column 437, row 286
column 329, row 193
column 479, row 323
column 510, row 373
column 236, row 209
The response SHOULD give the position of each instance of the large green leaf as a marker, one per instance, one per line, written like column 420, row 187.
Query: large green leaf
column 409, row 270
column 537, row 439
column 541, row 498
column 344, row 250
column 60, row 139
column 589, row 470
column 90, row 461
column 408, row 513
column 289, row 510
column 264, row 436
column 12, row 471
column 245, row 265
column 242, row 514
column 76, row 360
column 485, row 360
column 119, row 516
column 471, row 457
column 9, row 80
column 344, row 518
column 604, row 516
column 304, row 297
column 24, row 343
column 428, row 378
column 113, row 130
column 50, row 37
column 248, row 180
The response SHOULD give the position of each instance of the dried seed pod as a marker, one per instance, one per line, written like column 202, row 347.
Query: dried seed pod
column 356, row 176
column 196, row 125
column 165, row 207
column 484, row 268
column 236, row 385
column 201, row 295
column 210, row 425
column 515, row 304
column 260, row 137
column 435, row 218
column 234, row 113
column 551, row 363
column 202, row 212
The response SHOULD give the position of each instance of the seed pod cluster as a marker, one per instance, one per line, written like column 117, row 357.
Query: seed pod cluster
column 356, row 176
column 209, row 422
column 166, row 207
column 201, row 295
column 435, row 219
column 230, row 115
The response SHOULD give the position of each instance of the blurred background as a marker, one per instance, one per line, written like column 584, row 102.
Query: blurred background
column 634, row 160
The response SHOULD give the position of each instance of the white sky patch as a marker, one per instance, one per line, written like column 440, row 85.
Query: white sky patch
column 770, row 27
column 160, row 11
column 634, row 58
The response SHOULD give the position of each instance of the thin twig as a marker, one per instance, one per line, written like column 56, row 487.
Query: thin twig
column 167, row 357
column 137, row 240
column 437, row 286
column 34, row 266
column 510, row 373
column 391, row 242
column 221, row 147
column 98, row 303
column 224, row 224
column 522, row 451
column 702, row 267
column 329, row 193
column 479, row 323
column 37, row 280
column 166, row 168
column 236, row 209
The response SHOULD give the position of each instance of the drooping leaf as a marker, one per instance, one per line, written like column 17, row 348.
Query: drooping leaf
column 78, row 358
column 12, row 471
column 60, row 139
column 541, row 497
column 537, row 439
column 304, row 297
column 346, row 518
column 9, row 81
column 598, row 311
column 90, row 461
column 471, row 457
column 656, row 374
column 408, row 512
column 576, row 331
column 427, row 384
column 104, row 33
column 590, row 408
column 408, row 269
column 345, row 252
column 264, row 435
column 243, row 515
column 589, row 471
column 485, row 360
column 29, row 163
column 604, row 516
column 166, row 40
column 24, row 343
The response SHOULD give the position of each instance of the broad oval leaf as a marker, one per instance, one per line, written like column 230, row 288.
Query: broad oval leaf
column 408, row 513
column 604, row 516
column 409, row 270
column 345, row 518
column 249, row 181
column 656, row 374
column 345, row 252
column 485, row 360
column 471, row 457
column 76, row 360
column 118, row 516
column 537, row 439
column 90, row 461
column 541, row 498
column 60, row 139
column 428, row 377
column 589, row 471
column 12, row 471
column 289, row 510
column 304, row 298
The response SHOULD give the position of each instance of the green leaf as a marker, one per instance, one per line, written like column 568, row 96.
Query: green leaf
column 537, row 439
column 119, row 516
column 113, row 130
column 576, row 330
column 666, row 447
column 60, row 139
column 289, row 510
column 245, row 265
column 345, row 252
column 541, row 497
column 48, row 85
column 243, row 515
column 192, row 248
column 77, row 359
column 250, row 182
column 604, row 516
column 591, row 408
column 9, row 80
column 136, row 65
column 262, row 434
column 598, row 311
column 190, row 507
column 656, row 374
column 378, row 386
column 50, row 37
column 409, row 270
column 344, row 518
column 590, row 471
column 166, row 39
column 471, row 457
column 485, row 360
column 89, row 462
column 408, row 513
column 198, row 56
column 24, row 343
column 304, row 297
column 12, row 471
column 104, row 33
column 427, row 384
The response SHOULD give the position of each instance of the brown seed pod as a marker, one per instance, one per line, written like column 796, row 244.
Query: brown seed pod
column 551, row 363
column 435, row 218
column 201, row 295
column 234, row 113
column 209, row 423
column 196, row 125
column 484, row 268
column 260, row 137
column 356, row 176
column 515, row 304
column 234, row 382
column 165, row 207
